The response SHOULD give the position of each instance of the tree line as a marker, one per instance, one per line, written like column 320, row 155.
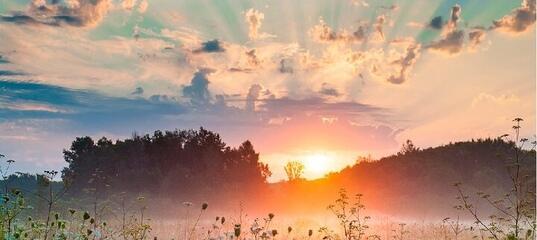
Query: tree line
column 170, row 163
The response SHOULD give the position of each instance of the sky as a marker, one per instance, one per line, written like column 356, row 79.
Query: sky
column 306, row 80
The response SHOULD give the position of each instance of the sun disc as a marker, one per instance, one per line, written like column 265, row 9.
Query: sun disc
column 317, row 163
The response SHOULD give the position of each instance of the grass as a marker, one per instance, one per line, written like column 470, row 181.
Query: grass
column 120, row 218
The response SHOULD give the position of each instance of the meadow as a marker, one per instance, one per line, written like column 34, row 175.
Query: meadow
column 95, row 207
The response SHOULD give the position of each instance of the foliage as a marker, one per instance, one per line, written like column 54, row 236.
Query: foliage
column 424, row 178
column 350, row 217
column 191, row 160
column 185, row 162
column 294, row 170
column 408, row 148
column 515, row 218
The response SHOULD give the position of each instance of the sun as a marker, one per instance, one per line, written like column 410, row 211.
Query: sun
column 317, row 163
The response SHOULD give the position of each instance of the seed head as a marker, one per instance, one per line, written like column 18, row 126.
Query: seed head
column 237, row 230
column 86, row 216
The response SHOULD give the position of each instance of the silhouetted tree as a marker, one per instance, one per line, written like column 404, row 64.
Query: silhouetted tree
column 294, row 170
column 180, row 161
column 408, row 147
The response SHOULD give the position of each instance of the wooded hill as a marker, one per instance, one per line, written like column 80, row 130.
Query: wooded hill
column 198, row 166
column 419, row 182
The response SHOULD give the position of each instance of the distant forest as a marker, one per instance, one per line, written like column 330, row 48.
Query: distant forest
column 196, row 165
column 171, row 163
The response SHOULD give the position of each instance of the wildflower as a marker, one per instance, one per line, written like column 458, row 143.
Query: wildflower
column 237, row 230
column 255, row 228
column 86, row 216
column 204, row 206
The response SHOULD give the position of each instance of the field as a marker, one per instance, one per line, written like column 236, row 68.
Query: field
column 38, row 207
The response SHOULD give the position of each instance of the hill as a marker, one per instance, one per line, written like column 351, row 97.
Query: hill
column 196, row 166
column 416, row 182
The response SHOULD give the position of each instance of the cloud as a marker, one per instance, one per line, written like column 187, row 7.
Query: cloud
column 138, row 91
column 452, row 40
column 254, row 18
column 81, row 13
column 436, row 23
column 329, row 91
column 212, row 46
column 253, row 60
column 317, row 106
column 323, row 33
column 198, row 90
column 475, row 38
column 285, row 66
column 30, row 106
column 519, row 20
column 455, row 17
column 315, row 120
column 406, row 63
column 128, row 4
column 28, row 100
column 251, row 98
column 452, row 43
column 379, row 26
column 361, row 3
column 9, row 73
column 3, row 60
column 142, row 7
column 392, row 7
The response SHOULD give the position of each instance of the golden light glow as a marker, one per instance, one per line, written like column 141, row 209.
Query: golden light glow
column 317, row 163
